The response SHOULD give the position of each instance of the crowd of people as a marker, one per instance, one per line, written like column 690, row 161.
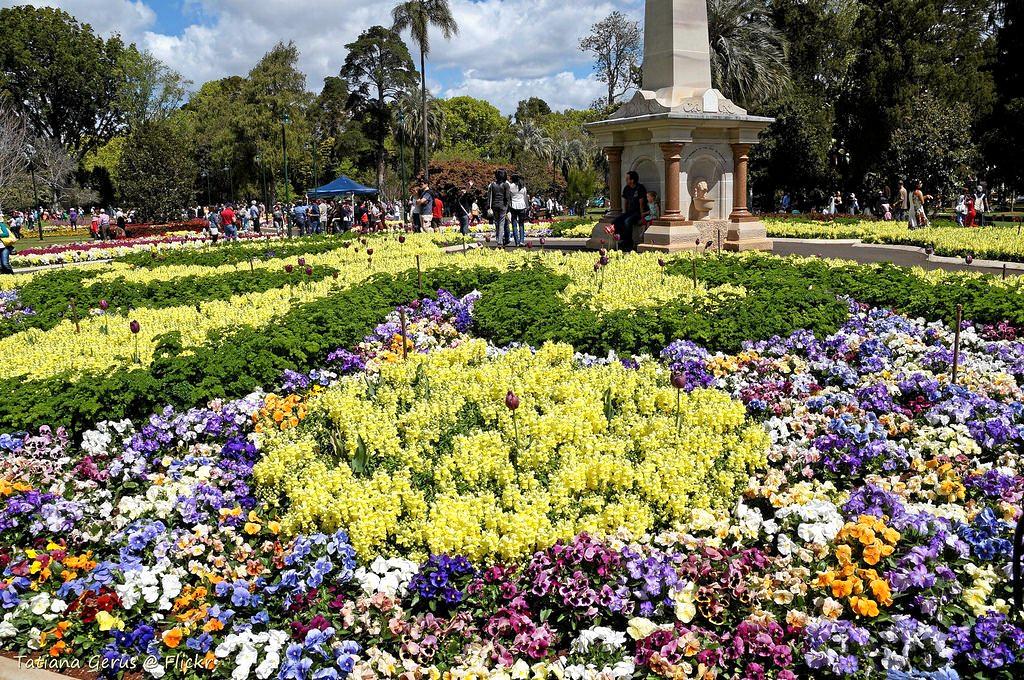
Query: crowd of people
column 905, row 204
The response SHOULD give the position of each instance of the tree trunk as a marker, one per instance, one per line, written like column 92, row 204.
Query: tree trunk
column 426, row 125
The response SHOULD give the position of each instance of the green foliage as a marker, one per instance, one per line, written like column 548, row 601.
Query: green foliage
column 525, row 306
column 227, row 366
column 239, row 252
column 477, row 125
column 933, row 143
column 581, row 186
column 157, row 171
column 50, row 295
column 62, row 77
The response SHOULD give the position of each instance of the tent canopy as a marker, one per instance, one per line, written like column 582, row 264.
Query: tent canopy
column 340, row 186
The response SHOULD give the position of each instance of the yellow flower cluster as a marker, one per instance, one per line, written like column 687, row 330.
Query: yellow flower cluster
column 280, row 413
column 866, row 589
column 427, row 457
column 989, row 242
column 101, row 343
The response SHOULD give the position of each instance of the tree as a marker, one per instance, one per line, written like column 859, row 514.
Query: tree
column 1004, row 137
column 378, row 68
column 411, row 128
column 530, row 139
column 532, row 109
column 616, row 44
column 53, row 165
column 63, row 79
column 151, row 90
column 933, row 144
column 13, row 138
column 904, row 52
column 418, row 16
column 475, row 126
column 748, row 54
column 581, row 185
column 157, row 170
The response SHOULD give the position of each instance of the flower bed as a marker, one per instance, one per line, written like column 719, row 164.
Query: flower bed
column 861, row 530
column 90, row 251
column 991, row 243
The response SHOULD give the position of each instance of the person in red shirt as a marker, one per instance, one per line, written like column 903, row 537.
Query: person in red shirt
column 227, row 221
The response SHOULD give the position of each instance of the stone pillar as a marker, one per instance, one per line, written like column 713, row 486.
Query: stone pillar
column 740, row 161
column 614, row 156
column 599, row 237
column 671, row 232
column 746, row 232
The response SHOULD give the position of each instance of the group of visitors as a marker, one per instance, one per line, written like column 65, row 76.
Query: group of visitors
column 905, row 204
column 971, row 207
column 505, row 203
column 306, row 217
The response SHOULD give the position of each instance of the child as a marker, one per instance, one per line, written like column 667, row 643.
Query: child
column 652, row 211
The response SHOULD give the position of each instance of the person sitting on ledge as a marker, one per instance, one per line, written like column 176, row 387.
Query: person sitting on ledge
column 634, row 205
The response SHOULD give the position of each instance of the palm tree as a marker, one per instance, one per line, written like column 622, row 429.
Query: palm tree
column 530, row 138
column 408, row 106
column 418, row 16
column 571, row 154
column 748, row 54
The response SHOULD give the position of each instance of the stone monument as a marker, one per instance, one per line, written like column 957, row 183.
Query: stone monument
column 685, row 139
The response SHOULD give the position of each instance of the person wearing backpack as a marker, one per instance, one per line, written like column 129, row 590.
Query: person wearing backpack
column 499, row 198
column 7, row 241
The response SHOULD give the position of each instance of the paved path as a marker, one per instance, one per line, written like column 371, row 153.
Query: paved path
column 10, row 669
column 904, row 256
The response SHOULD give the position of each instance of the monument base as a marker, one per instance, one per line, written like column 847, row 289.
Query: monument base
column 747, row 234
column 599, row 237
column 669, row 236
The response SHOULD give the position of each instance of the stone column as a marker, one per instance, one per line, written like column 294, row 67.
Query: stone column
column 671, row 232
column 599, row 238
column 740, row 160
column 671, row 153
column 746, row 232
column 614, row 156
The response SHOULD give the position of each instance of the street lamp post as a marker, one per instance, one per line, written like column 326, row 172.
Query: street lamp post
column 263, row 184
column 313, row 148
column 30, row 153
column 231, row 183
column 206, row 176
column 401, row 164
column 284, row 147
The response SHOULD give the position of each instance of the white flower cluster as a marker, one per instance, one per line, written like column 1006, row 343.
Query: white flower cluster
column 388, row 576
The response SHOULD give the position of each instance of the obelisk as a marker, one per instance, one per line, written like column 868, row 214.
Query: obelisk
column 680, row 133
column 677, row 55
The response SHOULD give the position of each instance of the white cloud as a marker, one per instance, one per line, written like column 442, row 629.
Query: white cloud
column 562, row 90
column 127, row 17
column 506, row 49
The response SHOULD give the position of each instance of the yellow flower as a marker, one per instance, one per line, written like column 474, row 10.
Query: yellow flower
column 639, row 628
column 107, row 621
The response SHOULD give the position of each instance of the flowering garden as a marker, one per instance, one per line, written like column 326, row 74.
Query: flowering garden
column 373, row 458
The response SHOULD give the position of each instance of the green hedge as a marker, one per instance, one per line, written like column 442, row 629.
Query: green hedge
column 880, row 285
column 50, row 294
column 521, row 305
column 239, row 252
column 230, row 365
column 525, row 306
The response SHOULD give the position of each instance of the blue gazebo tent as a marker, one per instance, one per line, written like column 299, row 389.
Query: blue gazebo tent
column 339, row 187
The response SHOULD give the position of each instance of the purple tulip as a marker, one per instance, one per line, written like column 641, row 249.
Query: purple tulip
column 302, row 262
column 135, row 327
column 511, row 401
column 289, row 268
column 661, row 262
column 401, row 238
column 104, row 305
column 678, row 381
column 309, row 271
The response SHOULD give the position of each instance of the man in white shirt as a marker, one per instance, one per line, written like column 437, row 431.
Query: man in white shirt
column 980, row 206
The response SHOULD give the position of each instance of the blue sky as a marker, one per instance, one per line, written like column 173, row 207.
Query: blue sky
column 507, row 50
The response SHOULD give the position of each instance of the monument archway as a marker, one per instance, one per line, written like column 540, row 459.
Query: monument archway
column 704, row 165
column 650, row 174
